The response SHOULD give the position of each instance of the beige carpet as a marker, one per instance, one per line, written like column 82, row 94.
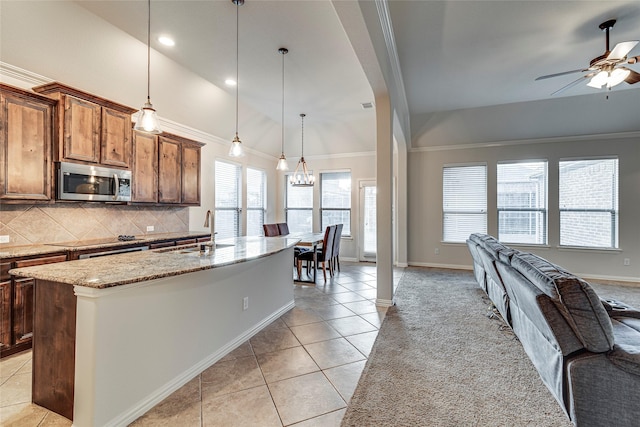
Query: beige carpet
column 442, row 359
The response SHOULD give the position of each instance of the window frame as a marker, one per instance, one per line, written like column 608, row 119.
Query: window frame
column 615, row 212
column 238, row 209
column 544, row 210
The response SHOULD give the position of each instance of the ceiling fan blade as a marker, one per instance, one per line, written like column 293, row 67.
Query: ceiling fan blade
column 621, row 50
column 633, row 77
column 633, row 60
column 572, row 84
column 561, row 74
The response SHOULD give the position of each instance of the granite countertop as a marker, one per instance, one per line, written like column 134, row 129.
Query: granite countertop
column 122, row 269
column 80, row 245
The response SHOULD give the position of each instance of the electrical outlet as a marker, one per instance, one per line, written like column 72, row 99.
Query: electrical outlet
column 150, row 227
column 4, row 239
column 626, row 261
column 245, row 303
column 437, row 251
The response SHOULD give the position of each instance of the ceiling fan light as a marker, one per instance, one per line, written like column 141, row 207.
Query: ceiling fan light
column 599, row 80
column 618, row 76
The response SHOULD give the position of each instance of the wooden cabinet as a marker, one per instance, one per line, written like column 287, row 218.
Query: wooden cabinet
column 145, row 168
column 169, row 170
column 173, row 177
column 190, row 194
column 17, row 299
column 26, row 133
column 91, row 129
column 5, row 306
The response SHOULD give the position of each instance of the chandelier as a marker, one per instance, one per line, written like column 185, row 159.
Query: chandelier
column 301, row 177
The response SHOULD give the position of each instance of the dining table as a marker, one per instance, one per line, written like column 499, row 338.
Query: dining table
column 309, row 240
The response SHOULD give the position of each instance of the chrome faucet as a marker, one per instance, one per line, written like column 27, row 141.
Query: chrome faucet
column 209, row 221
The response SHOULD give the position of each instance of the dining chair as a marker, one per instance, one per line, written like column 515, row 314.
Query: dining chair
column 335, row 258
column 270, row 230
column 283, row 228
column 323, row 255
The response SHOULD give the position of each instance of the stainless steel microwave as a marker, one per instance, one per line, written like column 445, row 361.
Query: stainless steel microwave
column 93, row 183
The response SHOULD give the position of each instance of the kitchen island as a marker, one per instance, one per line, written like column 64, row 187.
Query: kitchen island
column 115, row 335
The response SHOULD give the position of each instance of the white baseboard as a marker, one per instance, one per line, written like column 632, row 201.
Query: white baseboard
column 160, row 394
column 435, row 265
column 385, row 302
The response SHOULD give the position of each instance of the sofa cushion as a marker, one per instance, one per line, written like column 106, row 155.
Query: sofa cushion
column 575, row 299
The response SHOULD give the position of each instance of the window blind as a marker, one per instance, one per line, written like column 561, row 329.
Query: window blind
column 299, row 208
column 335, row 200
column 256, row 201
column 464, row 202
column 588, row 200
column 228, row 199
column 522, row 202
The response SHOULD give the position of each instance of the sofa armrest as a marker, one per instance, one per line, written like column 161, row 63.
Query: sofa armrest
column 626, row 350
column 619, row 309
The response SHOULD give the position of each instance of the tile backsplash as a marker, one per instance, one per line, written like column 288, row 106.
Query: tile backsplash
column 61, row 222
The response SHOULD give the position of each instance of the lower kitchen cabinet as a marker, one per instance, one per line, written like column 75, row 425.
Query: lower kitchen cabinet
column 16, row 303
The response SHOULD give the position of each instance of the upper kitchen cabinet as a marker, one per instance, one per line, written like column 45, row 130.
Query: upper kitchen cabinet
column 144, row 183
column 166, row 169
column 90, row 129
column 26, row 133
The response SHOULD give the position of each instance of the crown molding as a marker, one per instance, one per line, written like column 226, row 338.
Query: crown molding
column 22, row 75
column 551, row 140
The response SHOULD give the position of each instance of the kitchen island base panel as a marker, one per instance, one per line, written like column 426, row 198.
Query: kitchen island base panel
column 138, row 343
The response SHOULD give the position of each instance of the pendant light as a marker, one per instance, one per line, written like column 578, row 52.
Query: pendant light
column 236, row 145
column 147, row 119
column 301, row 177
column 282, row 162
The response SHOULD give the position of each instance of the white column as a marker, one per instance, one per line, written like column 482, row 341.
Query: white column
column 384, row 200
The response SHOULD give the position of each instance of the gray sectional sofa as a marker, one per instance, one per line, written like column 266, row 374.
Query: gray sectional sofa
column 586, row 350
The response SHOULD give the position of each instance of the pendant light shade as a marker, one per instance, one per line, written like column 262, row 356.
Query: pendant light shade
column 147, row 118
column 301, row 177
column 282, row 162
column 236, row 145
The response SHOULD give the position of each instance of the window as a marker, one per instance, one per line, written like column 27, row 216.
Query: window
column 335, row 200
column 589, row 203
column 522, row 202
column 256, row 201
column 299, row 208
column 464, row 202
column 228, row 200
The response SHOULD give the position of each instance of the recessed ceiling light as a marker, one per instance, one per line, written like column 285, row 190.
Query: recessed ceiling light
column 167, row 41
column 230, row 82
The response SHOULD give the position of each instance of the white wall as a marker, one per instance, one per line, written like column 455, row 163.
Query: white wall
column 425, row 202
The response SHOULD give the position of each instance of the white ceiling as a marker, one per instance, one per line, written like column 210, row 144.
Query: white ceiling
column 453, row 54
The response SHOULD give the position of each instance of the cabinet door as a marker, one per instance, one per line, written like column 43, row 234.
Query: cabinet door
column 23, row 309
column 145, row 168
column 81, row 130
column 25, row 148
column 190, row 174
column 169, row 170
column 5, row 314
column 116, row 138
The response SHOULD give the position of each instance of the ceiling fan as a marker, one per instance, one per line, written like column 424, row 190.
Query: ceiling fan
column 605, row 70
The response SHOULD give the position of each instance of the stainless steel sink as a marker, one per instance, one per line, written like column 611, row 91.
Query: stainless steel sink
column 196, row 249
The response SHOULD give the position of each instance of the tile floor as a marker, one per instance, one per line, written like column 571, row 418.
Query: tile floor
column 301, row 370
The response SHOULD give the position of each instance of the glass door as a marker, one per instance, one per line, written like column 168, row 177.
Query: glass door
column 367, row 244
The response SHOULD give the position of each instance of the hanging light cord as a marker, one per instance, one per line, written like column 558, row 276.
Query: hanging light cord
column 282, row 151
column 237, row 58
column 149, row 51
column 302, row 119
